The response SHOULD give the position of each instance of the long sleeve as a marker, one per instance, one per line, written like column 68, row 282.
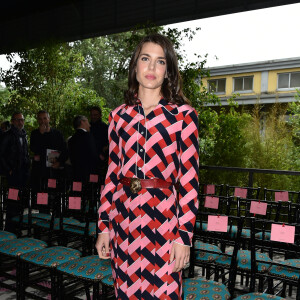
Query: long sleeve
column 111, row 180
column 189, row 170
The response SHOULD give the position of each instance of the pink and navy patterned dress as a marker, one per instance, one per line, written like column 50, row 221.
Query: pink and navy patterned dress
column 144, row 225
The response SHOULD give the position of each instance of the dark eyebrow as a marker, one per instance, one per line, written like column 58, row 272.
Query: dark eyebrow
column 160, row 57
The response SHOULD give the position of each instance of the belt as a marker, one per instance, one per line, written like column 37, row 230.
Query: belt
column 136, row 184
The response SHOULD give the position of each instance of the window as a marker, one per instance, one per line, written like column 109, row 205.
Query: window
column 217, row 85
column 243, row 83
column 289, row 80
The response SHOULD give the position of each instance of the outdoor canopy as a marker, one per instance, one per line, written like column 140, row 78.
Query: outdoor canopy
column 27, row 24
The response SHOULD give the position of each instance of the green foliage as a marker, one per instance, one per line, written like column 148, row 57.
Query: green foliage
column 270, row 146
column 106, row 60
column 294, row 120
column 41, row 78
column 46, row 78
column 261, row 140
column 4, row 98
column 78, row 102
column 227, row 144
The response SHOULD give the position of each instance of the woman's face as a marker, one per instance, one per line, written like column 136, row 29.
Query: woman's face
column 151, row 67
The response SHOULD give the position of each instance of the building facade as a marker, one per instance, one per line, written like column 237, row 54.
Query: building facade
column 265, row 82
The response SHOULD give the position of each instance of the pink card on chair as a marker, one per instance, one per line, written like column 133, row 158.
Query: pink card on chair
column 74, row 202
column 77, row 186
column 217, row 223
column 52, row 183
column 240, row 192
column 283, row 233
column 13, row 194
column 211, row 202
column 42, row 198
column 259, row 208
column 209, row 189
column 282, row 196
column 93, row 178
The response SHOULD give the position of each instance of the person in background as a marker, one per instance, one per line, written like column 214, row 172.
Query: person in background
column 15, row 162
column 5, row 126
column 42, row 141
column 82, row 150
column 145, row 228
column 100, row 132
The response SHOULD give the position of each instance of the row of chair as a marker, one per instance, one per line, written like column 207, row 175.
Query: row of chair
column 56, row 215
column 269, row 235
column 227, row 190
column 52, row 251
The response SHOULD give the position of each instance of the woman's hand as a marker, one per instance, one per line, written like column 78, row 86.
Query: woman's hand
column 181, row 254
column 102, row 245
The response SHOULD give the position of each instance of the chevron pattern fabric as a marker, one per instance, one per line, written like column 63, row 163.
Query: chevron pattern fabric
column 143, row 226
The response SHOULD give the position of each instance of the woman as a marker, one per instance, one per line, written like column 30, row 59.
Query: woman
column 153, row 147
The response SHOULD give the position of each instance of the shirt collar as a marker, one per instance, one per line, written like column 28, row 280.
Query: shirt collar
column 82, row 129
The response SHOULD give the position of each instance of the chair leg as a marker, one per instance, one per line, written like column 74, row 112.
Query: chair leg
column 22, row 279
column 270, row 286
column 203, row 271
column 60, row 287
column 290, row 290
column 216, row 277
column 53, row 277
column 87, row 291
column 260, row 284
column 207, row 273
column 283, row 293
column 19, row 282
column 247, row 280
column 242, row 278
column 298, row 293
column 96, row 294
column 223, row 277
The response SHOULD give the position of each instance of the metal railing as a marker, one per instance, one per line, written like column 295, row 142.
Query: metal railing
column 251, row 171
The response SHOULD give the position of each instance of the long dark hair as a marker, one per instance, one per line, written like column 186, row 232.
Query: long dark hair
column 171, row 88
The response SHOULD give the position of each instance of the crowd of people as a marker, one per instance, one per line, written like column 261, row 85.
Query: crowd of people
column 48, row 154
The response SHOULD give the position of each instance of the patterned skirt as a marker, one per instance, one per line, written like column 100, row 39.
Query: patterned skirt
column 142, row 230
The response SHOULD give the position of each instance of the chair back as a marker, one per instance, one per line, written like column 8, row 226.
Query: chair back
column 243, row 192
column 281, row 195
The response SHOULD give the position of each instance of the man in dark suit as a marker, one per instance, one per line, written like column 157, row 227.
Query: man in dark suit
column 100, row 132
column 15, row 163
column 43, row 139
column 82, row 150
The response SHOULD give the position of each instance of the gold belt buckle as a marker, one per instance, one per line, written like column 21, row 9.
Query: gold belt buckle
column 135, row 185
